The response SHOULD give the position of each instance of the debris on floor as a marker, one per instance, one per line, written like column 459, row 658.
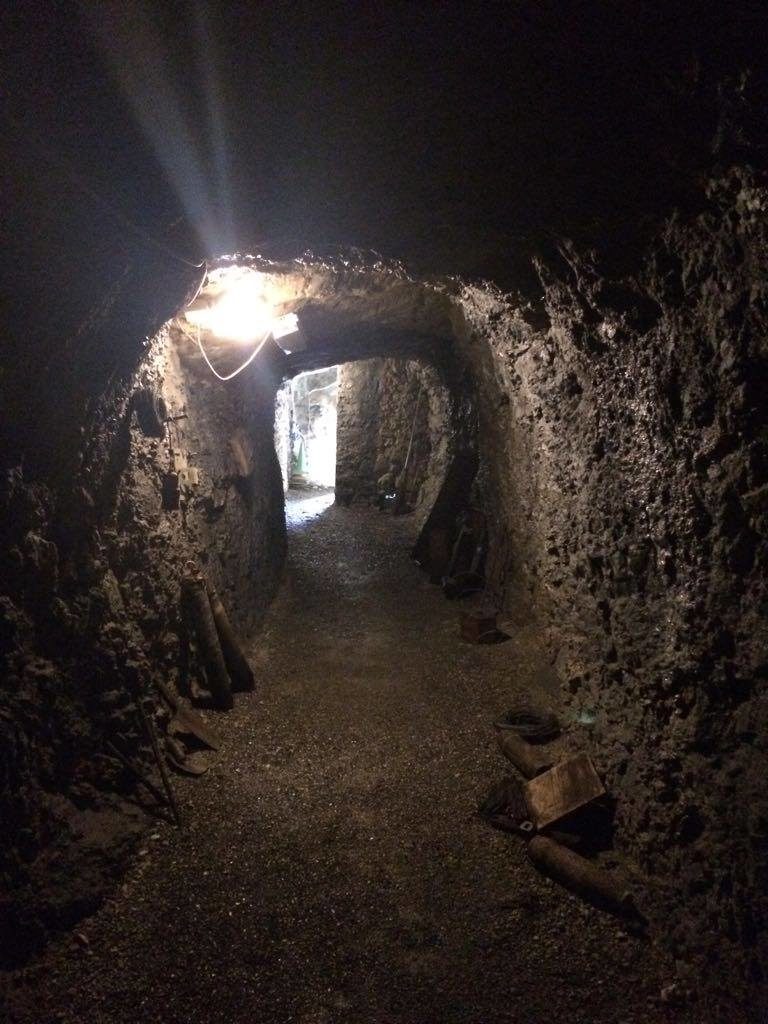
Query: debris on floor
column 532, row 723
column 477, row 625
column 202, row 627
column 505, row 808
column 186, row 720
column 464, row 574
column 528, row 760
column 189, row 740
column 322, row 857
column 604, row 889
column 136, row 774
column 148, row 723
column 239, row 670
column 221, row 655
column 188, row 762
column 565, row 788
column 556, row 791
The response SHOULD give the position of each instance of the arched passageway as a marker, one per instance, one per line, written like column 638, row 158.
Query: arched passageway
column 408, row 406
column 331, row 851
column 244, row 736
column 347, row 780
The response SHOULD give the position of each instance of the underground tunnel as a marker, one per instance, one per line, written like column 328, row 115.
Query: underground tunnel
column 475, row 550
column 385, row 639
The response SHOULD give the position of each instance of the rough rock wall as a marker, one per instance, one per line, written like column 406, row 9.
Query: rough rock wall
column 220, row 442
column 68, row 658
column 283, row 446
column 90, row 616
column 625, row 454
column 625, row 463
column 382, row 403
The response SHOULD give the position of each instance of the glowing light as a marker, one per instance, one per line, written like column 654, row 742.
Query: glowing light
column 241, row 312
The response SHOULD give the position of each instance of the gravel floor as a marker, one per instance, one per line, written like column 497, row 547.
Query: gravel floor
column 330, row 868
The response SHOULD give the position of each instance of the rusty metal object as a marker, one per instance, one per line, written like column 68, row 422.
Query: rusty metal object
column 177, row 755
column 136, row 774
column 528, row 760
column 463, row 576
column 533, row 724
column 505, row 808
column 239, row 670
column 149, row 728
column 605, row 889
column 505, row 797
column 565, row 788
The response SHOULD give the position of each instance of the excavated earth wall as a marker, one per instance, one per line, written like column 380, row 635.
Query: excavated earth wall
column 625, row 466
column 174, row 470
column 624, row 473
column 387, row 406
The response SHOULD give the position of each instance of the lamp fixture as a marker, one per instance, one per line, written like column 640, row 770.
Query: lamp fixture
column 233, row 305
column 240, row 313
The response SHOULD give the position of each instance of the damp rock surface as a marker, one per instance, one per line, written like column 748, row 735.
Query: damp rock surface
column 394, row 431
column 623, row 466
column 331, row 867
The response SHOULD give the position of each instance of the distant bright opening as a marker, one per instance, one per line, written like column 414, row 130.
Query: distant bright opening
column 305, row 429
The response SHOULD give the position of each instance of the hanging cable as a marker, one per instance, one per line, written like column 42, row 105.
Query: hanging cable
column 211, row 367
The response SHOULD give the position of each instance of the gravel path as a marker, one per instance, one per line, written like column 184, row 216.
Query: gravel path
column 330, row 869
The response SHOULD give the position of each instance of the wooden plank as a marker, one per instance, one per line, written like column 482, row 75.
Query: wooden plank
column 563, row 789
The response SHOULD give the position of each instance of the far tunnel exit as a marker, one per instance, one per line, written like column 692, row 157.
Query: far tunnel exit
column 370, row 429
column 305, row 428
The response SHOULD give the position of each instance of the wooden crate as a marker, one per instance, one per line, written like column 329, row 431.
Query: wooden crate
column 563, row 789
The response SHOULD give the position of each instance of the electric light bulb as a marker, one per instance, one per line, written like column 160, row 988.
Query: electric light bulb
column 242, row 314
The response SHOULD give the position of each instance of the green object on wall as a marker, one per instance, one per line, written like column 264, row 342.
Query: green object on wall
column 299, row 462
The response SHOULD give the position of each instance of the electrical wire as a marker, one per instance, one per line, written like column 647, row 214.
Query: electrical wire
column 413, row 431
column 211, row 367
